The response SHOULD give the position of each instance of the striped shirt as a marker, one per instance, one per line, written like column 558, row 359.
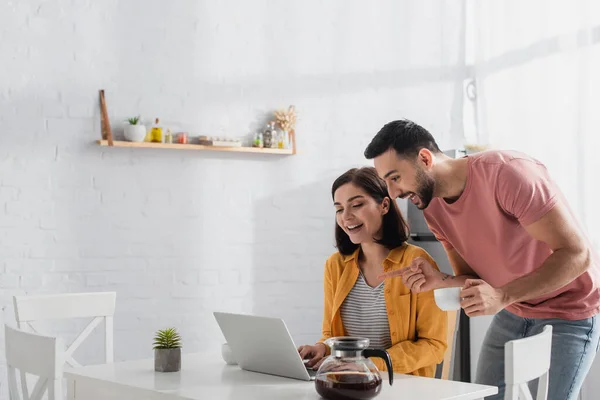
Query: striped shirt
column 364, row 314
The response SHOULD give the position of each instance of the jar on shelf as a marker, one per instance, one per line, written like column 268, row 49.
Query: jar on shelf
column 182, row 138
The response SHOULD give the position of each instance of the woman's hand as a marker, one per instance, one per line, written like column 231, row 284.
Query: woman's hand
column 315, row 354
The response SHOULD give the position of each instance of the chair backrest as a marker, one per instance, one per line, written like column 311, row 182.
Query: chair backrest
column 452, row 330
column 525, row 360
column 34, row 354
column 100, row 306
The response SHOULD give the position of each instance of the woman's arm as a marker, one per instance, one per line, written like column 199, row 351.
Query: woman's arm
column 328, row 294
column 430, row 346
column 431, row 332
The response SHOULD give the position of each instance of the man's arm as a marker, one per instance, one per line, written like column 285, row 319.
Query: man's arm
column 422, row 276
column 571, row 257
column 461, row 269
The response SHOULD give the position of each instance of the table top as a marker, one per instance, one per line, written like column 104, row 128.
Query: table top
column 207, row 374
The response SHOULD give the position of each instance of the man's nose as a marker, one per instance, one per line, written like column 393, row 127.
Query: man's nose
column 394, row 192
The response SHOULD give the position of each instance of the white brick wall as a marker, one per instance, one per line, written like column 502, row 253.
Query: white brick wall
column 180, row 234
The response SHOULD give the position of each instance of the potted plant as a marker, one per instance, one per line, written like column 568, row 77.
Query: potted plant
column 134, row 130
column 167, row 350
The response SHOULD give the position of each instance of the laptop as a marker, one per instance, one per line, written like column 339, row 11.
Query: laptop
column 263, row 344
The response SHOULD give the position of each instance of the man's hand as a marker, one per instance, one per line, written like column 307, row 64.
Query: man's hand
column 315, row 354
column 479, row 298
column 419, row 276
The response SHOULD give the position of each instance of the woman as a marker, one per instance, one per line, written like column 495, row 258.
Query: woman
column 371, row 236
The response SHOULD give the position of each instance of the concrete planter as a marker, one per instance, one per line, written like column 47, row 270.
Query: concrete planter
column 167, row 360
column 134, row 133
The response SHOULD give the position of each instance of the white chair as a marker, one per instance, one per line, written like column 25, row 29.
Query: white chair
column 99, row 305
column 525, row 360
column 445, row 369
column 42, row 356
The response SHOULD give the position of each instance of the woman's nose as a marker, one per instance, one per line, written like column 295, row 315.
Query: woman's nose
column 346, row 214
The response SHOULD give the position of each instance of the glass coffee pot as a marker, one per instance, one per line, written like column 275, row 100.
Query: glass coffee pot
column 348, row 373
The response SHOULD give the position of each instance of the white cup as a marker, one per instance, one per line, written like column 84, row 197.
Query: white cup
column 448, row 299
column 227, row 355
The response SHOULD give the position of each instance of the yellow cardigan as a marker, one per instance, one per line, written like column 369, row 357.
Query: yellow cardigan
column 417, row 325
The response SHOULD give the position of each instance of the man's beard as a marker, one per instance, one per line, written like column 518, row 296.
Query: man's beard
column 425, row 187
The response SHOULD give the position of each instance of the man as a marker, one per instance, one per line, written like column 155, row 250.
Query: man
column 513, row 244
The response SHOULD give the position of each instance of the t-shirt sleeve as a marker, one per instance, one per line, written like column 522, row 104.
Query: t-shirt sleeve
column 525, row 190
column 435, row 229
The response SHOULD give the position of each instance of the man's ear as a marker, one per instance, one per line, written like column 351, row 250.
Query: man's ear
column 425, row 158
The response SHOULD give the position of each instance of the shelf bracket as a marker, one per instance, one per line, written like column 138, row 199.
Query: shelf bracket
column 104, row 121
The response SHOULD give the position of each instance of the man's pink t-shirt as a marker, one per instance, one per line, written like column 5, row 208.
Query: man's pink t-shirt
column 506, row 191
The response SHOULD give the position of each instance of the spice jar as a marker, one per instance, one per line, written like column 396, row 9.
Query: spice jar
column 182, row 138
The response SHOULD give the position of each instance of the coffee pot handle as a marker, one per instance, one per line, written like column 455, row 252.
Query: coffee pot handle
column 385, row 356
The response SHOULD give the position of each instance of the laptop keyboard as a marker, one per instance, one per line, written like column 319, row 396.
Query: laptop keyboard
column 311, row 372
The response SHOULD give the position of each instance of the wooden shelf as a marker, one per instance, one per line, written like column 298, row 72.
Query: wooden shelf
column 176, row 146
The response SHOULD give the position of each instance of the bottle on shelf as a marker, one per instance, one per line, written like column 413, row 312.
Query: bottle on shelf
column 157, row 132
column 268, row 136
column 280, row 140
column 255, row 140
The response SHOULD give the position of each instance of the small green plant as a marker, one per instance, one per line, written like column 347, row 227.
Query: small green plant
column 134, row 120
column 167, row 339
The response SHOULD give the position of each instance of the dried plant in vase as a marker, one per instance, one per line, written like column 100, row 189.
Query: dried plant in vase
column 475, row 148
column 286, row 119
column 167, row 350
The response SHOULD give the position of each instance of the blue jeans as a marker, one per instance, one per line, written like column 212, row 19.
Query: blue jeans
column 574, row 346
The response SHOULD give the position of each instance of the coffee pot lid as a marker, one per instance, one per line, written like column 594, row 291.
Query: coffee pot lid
column 348, row 343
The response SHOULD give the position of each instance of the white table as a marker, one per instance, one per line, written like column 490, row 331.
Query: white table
column 205, row 376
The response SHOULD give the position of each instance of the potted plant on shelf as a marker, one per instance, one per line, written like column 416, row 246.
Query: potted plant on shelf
column 167, row 350
column 134, row 130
